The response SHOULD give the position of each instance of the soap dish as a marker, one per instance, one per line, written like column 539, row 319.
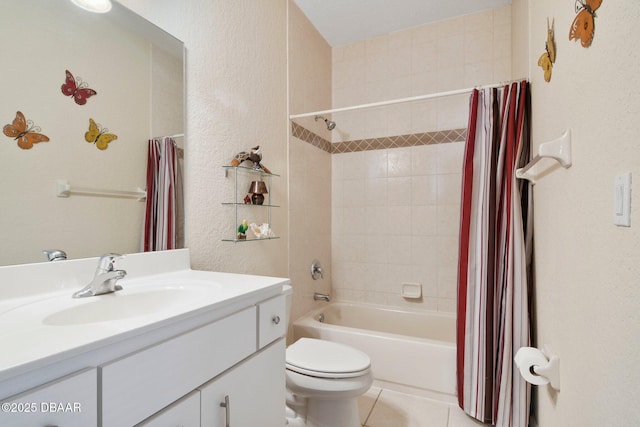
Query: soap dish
column 411, row 290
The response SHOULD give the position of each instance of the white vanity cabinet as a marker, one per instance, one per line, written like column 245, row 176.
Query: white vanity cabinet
column 249, row 395
column 71, row 401
column 248, row 345
column 183, row 413
column 154, row 364
column 137, row 386
column 252, row 393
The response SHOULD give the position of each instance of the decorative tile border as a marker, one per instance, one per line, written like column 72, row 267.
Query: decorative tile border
column 306, row 135
column 426, row 138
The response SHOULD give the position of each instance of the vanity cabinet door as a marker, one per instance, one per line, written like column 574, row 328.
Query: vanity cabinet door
column 184, row 413
column 71, row 401
column 251, row 394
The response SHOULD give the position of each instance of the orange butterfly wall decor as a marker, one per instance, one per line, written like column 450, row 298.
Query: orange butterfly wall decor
column 24, row 132
column 99, row 135
column 547, row 59
column 583, row 25
column 78, row 90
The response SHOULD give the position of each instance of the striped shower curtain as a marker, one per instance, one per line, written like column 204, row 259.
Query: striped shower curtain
column 162, row 191
column 494, row 258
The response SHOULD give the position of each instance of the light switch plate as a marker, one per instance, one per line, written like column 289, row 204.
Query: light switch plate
column 622, row 200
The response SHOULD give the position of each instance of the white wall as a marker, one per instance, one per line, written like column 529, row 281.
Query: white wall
column 587, row 270
column 236, row 98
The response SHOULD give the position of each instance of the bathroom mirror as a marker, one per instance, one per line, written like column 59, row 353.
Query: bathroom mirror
column 136, row 71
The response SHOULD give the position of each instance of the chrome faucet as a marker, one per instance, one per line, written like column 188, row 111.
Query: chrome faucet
column 321, row 297
column 104, row 279
column 55, row 254
column 316, row 270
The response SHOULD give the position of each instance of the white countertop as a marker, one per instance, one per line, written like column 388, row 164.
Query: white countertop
column 40, row 328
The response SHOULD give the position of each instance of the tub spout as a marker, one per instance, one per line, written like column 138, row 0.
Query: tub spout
column 321, row 297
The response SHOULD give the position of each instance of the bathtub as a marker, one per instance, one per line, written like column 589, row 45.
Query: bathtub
column 407, row 348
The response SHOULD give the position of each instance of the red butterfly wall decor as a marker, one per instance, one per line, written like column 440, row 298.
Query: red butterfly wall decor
column 79, row 91
column 24, row 132
column 583, row 25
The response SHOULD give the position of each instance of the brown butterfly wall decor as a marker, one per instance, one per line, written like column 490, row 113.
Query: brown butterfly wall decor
column 548, row 58
column 583, row 25
column 24, row 131
column 99, row 135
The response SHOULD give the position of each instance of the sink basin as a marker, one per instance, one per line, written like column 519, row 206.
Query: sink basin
column 118, row 306
column 141, row 300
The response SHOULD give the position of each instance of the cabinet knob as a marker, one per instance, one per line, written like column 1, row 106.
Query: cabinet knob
column 276, row 319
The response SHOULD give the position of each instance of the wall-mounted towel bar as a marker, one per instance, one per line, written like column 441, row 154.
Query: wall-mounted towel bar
column 64, row 189
column 177, row 135
column 558, row 149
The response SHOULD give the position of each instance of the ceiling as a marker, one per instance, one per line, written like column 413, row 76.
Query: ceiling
column 345, row 21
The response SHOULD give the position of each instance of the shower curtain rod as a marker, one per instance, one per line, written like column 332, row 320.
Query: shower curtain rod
column 402, row 100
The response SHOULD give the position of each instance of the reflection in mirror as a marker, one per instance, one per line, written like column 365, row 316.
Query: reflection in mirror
column 126, row 76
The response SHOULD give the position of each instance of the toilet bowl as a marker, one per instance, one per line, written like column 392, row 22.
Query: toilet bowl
column 324, row 380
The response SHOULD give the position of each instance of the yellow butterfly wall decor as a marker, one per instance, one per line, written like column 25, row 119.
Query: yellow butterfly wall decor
column 99, row 135
column 547, row 59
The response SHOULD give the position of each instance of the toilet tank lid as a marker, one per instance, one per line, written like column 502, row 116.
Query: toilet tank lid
column 326, row 356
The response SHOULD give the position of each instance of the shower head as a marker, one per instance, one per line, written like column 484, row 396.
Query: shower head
column 330, row 124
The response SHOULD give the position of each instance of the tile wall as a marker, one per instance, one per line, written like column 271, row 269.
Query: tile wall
column 395, row 216
column 448, row 55
column 391, row 175
column 395, row 210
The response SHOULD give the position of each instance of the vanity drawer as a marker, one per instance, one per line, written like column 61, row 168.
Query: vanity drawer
column 139, row 385
column 271, row 320
column 71, row 401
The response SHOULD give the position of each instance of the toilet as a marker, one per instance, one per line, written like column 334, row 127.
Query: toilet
column 324, row 380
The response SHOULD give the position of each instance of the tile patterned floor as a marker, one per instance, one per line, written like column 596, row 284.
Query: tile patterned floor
column 387, row 408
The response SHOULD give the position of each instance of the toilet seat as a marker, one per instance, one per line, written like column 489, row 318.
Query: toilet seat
column 326, row 359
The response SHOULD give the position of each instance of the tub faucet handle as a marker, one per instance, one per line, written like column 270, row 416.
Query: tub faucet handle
column 316, row 270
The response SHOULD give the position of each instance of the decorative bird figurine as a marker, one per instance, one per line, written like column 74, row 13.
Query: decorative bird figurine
column 254, row 155
column 242, row 229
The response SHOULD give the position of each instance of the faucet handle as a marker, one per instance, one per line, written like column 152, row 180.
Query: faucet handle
column 107, row 262
column 55, row 254
column 316, row 270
